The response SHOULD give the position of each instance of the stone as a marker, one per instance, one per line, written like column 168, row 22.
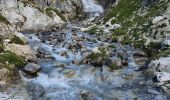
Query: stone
column 160, row 65
column 153, row 92
column 36, row 91
column 35, row 20
column 115, row 63
column 96, row 50
column 22, row 50
column 22, row 37
column 162, row 76
column 157, row 19
column 87, row 95
column 32, row 68
column 166, row 42
column 160, row 97
column 4, row 74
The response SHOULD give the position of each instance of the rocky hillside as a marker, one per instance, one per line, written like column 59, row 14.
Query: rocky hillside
column 142, row 24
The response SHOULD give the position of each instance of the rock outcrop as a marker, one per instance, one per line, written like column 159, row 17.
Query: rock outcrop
column 16, row 12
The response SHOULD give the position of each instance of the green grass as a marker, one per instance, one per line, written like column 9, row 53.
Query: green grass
column 1, row 48
column 162, row 53
column 123, row 11
column 119, row 32
column 102, row 54
column 114, row 67
column 11, row 58
column 48, row 11
column 126, row 14
column 112, row 46
column 92, row 30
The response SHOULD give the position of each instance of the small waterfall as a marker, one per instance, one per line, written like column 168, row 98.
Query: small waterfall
column 90, row 6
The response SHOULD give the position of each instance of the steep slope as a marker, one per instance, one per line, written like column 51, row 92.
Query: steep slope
column 142, row 24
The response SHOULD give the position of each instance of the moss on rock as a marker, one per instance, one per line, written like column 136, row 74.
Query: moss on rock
column 12, row 59
column 3, row 19
column 48, row 11
column 17, row 40
column 92, row 30
column 1, row 48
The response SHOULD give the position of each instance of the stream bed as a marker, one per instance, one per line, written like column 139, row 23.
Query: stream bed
column 63, row 75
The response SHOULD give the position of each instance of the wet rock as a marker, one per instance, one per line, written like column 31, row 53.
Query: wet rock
column 163, row 76
column 139, row 54
column 87, row 95
column 98, row 57
column 32, row 68
column 153, row 92
column 69, row 73
column 160, row 97
column 166, row 88
column 115, row 63
column 120, row 95
column 44, row 50
column 36, row 91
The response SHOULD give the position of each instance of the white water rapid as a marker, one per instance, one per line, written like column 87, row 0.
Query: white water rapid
column 90, row 6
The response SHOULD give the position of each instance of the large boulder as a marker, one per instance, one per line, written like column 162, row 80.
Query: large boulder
column 159, row 69
column 68, row 8
column 35, row 20
column 166, row 43
column 160, row 65
column 35, row 91
column 4, row 74
column 32, row 68
column 98, row 57
column 22, row 50
column 157, row 19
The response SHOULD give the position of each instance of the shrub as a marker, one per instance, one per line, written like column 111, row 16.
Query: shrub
column 92, row 30
column 11, row 58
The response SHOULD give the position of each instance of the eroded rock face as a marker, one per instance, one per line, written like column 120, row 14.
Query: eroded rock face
column 69, row 8
column 35, row 20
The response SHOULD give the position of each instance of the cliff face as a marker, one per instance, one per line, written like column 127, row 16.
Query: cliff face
column 68, row 8
column 27, row 16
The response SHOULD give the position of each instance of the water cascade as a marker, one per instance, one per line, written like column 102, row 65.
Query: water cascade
column 90, row 6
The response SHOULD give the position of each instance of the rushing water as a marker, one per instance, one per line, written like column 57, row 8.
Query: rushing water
column 73, row 82
column 93, row 8
column 79, row 81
